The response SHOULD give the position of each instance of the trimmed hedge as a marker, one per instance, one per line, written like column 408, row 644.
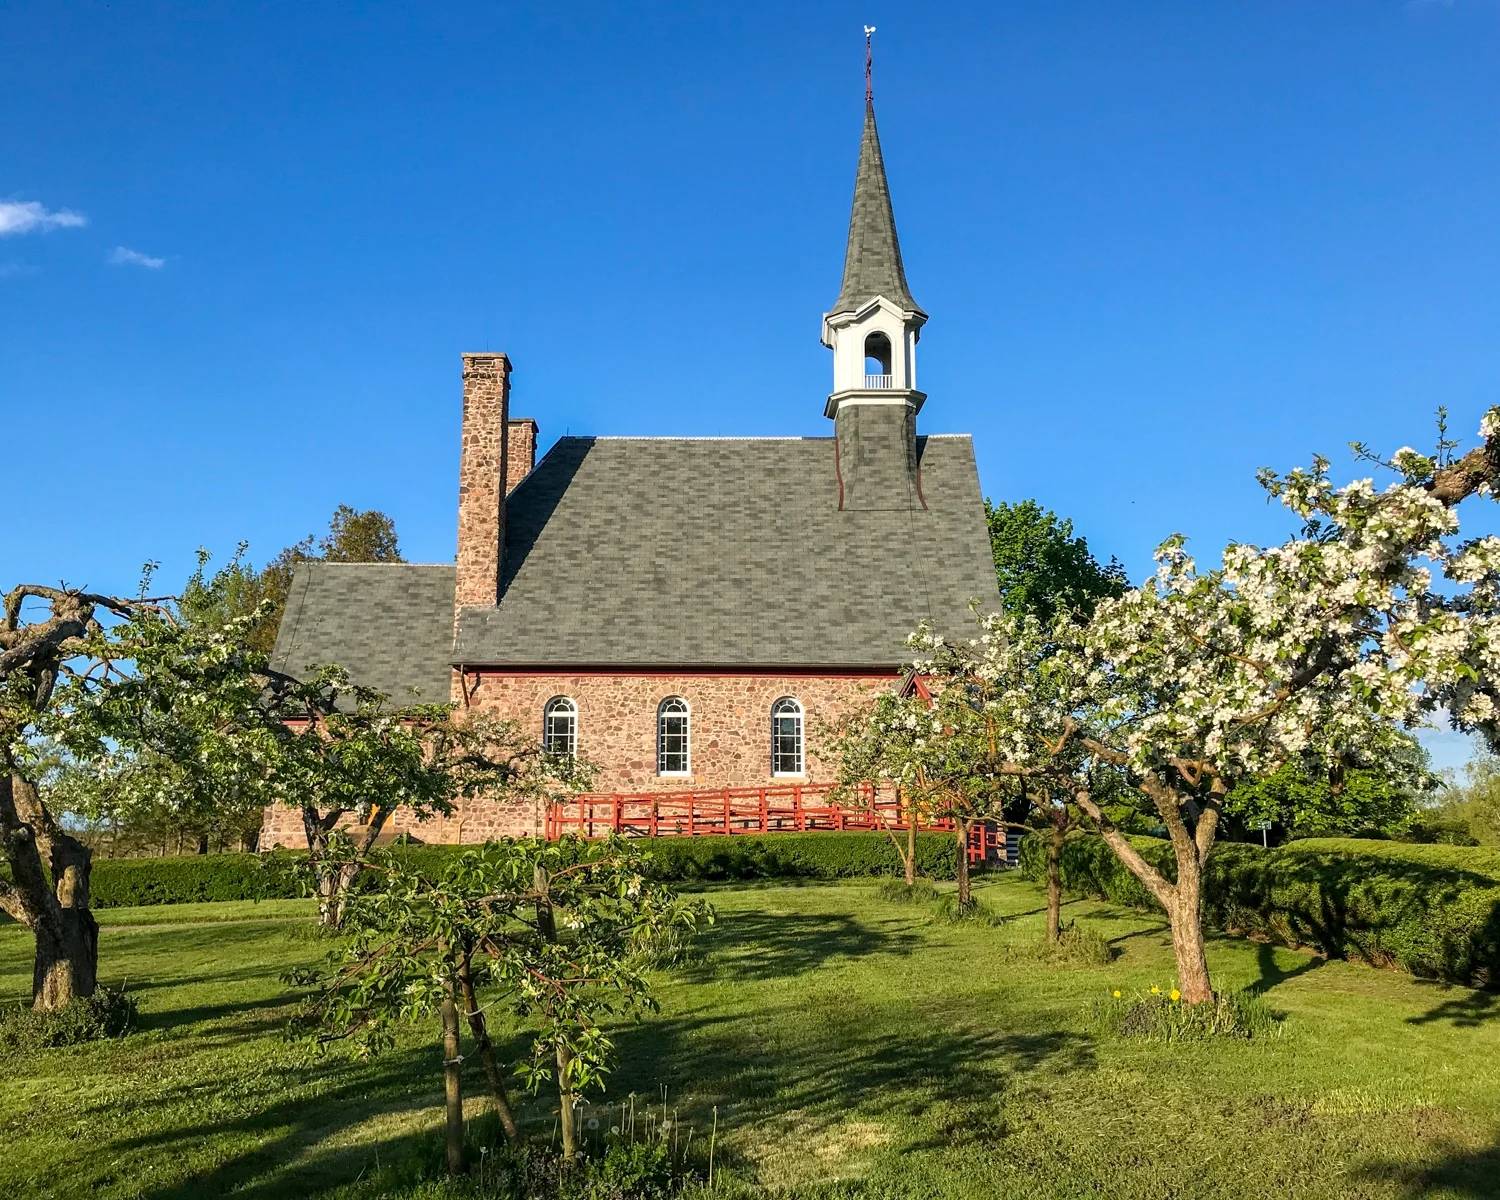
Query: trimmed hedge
column 126, row 882
column 1432, row 910
column 121, row 882
column 797, row 856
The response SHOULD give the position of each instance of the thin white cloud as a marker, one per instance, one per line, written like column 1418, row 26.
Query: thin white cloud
column 28, row 216
column 8, row 270
column 124, row 257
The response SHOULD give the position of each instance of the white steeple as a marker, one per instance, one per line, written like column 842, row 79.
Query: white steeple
column 875, row 323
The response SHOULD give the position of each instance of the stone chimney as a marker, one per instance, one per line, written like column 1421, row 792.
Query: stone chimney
column 482, row 480
column 520, row 451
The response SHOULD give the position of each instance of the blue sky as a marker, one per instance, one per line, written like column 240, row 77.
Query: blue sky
column 1161, row 245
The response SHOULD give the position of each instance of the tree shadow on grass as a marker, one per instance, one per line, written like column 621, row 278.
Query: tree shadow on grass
column 1459, row 1170
column 759, row 946
column 1271, row 974
column 943, row 1086
column 297, row 1149
column 1467, row 1010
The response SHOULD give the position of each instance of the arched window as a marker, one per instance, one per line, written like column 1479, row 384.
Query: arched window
column 673, row 738
column 560, row 726
column 878, row 361
column 786, row 737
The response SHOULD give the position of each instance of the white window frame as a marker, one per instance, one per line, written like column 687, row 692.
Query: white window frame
column 554, row 707
column 788, row 707
column 686, row 713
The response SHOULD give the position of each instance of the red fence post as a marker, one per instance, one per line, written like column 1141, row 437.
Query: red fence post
column 654, row 816
column 727, row 829
column 692, row 821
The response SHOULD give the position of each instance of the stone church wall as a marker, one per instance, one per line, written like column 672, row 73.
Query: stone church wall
column 730, row 731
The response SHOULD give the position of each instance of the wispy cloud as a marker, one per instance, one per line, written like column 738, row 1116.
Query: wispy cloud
column 125, row 257
column 8, row 270
column 28, row 216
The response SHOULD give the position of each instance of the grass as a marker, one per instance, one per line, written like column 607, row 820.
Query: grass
column 854, row 1047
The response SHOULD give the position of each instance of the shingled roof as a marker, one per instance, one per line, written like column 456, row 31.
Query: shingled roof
column 727, row 552
column 390, row 625
column 872, row 261
column 670, row 552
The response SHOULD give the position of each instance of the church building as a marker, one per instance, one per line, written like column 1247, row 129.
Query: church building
column 679, row 609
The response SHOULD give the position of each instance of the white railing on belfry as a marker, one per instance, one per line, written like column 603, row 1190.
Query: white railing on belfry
column 879, row 381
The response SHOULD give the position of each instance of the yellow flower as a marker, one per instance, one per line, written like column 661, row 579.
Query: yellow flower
column 1117, row 993
column 1176, row 995
column 1155, row 991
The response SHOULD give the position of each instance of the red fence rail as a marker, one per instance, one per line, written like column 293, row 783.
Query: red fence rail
column 789, row 808
column 796, row 807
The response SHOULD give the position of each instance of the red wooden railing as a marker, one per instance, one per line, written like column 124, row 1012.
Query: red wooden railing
column 788, row 808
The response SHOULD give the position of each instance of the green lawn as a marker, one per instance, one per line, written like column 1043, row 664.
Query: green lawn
column 841, row 1037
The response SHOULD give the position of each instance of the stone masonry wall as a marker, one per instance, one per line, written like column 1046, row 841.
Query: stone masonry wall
column 520, row 451
column 481, row 479
column 730, row 735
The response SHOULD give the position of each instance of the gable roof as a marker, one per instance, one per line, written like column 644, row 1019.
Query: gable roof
column 727, row 552
column 390, row 625
column 872, row 259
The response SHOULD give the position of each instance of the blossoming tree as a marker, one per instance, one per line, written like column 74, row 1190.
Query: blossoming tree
column 1309, row 651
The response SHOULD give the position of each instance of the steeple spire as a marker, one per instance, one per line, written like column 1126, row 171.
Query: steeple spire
column 872, row 261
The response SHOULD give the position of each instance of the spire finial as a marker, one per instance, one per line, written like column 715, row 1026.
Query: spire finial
column 869, row 86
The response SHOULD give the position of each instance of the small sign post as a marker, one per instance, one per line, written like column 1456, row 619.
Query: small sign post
column 1264, row 827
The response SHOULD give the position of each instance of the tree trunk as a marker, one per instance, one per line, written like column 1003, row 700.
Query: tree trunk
column 67, row 958
column 335, row 879
column 481, row 1035
column 453, row 1082
column 1186, row 917
column 1054, row 881
column 911, row 845
column 1182, row 901
column 48, row 893
column 965, row 897
column 568, row 1113
column 203, row 843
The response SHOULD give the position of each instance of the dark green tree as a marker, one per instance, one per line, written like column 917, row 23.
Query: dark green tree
column 1042, row 567
column 1311, row 803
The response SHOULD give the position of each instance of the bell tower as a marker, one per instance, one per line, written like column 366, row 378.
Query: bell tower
column 873, row 330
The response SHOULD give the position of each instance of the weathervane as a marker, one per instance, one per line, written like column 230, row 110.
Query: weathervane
column 869, row 89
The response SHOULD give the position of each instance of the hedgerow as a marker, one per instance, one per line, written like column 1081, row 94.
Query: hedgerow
column 121, row 882
column 1432, row 910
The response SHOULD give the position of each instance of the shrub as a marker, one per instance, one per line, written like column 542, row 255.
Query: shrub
column 125, row 882
column 898, row 891
column 1433, row 910
column 119, row 882
column 108, row 1013
column 976, row 912
column 1158, row 1016
column 796, row 856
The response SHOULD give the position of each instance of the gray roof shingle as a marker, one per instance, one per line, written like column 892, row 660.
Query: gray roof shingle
column 390, row 625
column 719, row 552
column 872, row 260
column 668, row 552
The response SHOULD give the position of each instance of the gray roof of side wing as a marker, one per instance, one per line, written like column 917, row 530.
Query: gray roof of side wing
column 872, row 260
column 727, row 552
column 390, row 625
